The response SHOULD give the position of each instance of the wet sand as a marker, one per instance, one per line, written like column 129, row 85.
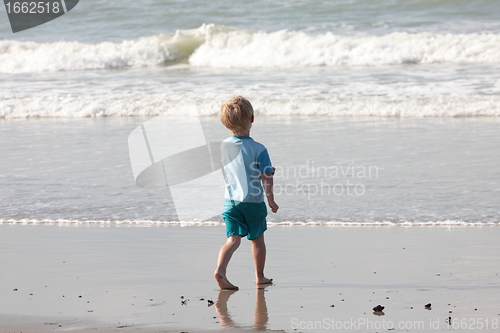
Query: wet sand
column 159, row 279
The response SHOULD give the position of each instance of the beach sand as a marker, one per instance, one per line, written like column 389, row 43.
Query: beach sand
column 111, row 278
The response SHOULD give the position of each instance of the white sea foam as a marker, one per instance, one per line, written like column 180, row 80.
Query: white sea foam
column 150, row 223
column 158, row 105
column 221, row 47
column 27, row 57
column 245, row 48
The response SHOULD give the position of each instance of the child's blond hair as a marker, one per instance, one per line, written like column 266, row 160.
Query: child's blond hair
column 236, row 114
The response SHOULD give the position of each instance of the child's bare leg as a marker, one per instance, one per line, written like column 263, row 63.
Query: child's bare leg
column 225, row 254
column 259, row 259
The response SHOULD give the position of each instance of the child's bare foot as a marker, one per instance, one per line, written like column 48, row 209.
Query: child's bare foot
column 224, row 284
column 264, row 280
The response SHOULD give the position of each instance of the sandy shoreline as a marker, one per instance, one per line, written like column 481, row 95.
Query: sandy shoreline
column 155, row 279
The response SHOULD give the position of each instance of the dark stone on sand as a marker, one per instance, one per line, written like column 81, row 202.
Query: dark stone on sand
column 342, row 299
column 182, row 297
column 332, row 306
column 378, row 308
column 210, row 302
column 202, row 299
column 387, row 297
column 411, row 307
column 428, row 305
column 475, row 309
column 450, row 311
column 80, row 296
column 15, row 289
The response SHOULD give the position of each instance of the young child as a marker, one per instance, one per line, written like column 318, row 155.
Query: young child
column 246, row 168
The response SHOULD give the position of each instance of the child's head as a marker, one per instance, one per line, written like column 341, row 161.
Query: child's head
column 237, row 115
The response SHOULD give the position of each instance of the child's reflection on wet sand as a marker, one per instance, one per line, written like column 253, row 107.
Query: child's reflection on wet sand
column 260, row 317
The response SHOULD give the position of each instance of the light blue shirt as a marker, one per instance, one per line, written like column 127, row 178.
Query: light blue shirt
column 244, row 161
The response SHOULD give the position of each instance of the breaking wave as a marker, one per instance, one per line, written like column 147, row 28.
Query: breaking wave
column 217, row 46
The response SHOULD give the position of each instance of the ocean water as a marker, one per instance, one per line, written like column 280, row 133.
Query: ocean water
column 418, row 58
column 334, row 171
column 409, row 90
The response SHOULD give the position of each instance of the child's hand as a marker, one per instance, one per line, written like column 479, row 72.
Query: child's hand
column 274, row 207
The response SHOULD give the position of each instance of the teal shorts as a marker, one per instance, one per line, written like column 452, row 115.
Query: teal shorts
column 245, row 218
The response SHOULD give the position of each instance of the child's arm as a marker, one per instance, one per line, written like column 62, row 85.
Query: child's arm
column 267, row 182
